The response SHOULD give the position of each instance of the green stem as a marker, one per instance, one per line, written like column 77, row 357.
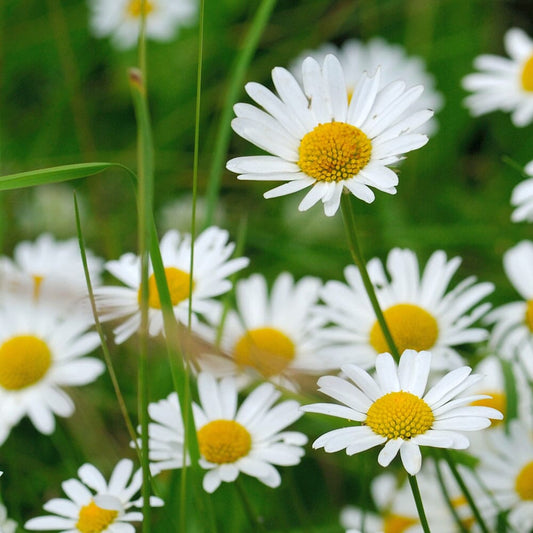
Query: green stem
column 357, row 256
column 255, row 520
column 418, row 501
column 236, row 78
column 464, row 489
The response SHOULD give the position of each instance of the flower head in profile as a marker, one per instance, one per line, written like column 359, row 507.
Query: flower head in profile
column 357, row 57
column 502, row 83
column 320, row 140
column 212, row 267
column 121, row 19
column 42, row 349
column 506, row 468
column 232, row 439
column 272, row 335
column 421, row 311
column 395, row 410
column 522, row 198
column 512, row 333
column 94, row 505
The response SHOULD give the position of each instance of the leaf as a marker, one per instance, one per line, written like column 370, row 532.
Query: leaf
column 52, row 175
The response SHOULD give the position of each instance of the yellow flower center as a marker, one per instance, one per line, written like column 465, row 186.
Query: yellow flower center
column 461, row 501
column 411, row 328
column 94, row 519
column 37, row 280
column 224, row 441
column 496, row 401
column 268, row 350
column 527, row 75
column 135, row 8
column 178, row 286
column 395, row 523
column 529, row 315
column 334, row 151
column 399, row 415
column 524, row 482
column 24, row 361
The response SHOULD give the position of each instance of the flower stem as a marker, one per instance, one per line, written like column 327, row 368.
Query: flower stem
column 255, row 520
column 475, row 511
column 357, row 256
column 418, row 501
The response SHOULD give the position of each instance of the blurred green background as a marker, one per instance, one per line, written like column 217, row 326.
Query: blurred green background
column 64, row 98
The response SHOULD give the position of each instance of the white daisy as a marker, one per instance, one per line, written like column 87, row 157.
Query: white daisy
column 6, row 524
column 42, row 349
column 320, row 140
column 59, row 262
column 232, row 439
column 502, row 83
column 420, row 312
column 272, row 335
column 357, row 57
column 95, row 505
column 395, row 410
column 507, row 470
column 121, row 19
column 212, row 266
column 522, row 198
column 512, row 334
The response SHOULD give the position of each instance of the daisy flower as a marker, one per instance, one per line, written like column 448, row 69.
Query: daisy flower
column 232, row 439
column 522, row 198
column 121, row 19
column 6, row 524
column 59, row 262
column 506, row 468
column 502, row 83
column 273, row 335
column 393, row 409
column 95, row 505
column 512, row 334
column 320, row 140
column 422, row 314
column 212, row 265
column 42, row 349
column 357, row 57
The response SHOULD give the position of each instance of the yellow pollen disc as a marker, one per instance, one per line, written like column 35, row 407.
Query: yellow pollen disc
column 497, row 401
column 224, row 441
column 524, row 482
column 399, row 415
column 411, row 328
column 395, row 523
column 334, row 151
column 268, row 350
column 178, row 286
column 94, row 519
column 527, row 75
column 37, row 280
column 24, row 361
column 135, row 8
column 529, row 315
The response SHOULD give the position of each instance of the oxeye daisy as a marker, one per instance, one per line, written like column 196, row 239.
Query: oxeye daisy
column 274, row 335
column 422, row 314
column 357, row 57
column 212, row 266
column 506, row 468
column 6, row 524
column 121, row 19
column 247, row 439
column 522, row 198
column 59, row 262
column 94, row 505
column 42, row 349
column 502, row 83
column 395, row 410
column 320, row 140
column 512, row 334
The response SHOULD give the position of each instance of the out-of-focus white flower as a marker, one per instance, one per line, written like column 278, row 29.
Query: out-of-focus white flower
column 522, row 198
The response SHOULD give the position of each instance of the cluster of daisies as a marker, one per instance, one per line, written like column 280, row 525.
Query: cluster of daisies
column 337, row 122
